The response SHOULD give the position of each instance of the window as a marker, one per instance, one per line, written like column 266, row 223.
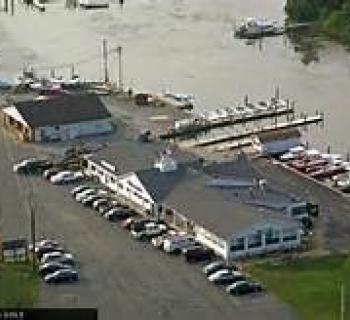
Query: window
column 272, row 236
column 93, row 168
column 289, row 235
column 238, row 244
column 255, row 239
column 84, row 163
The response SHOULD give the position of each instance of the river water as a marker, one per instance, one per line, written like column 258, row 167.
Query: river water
column 187, row 46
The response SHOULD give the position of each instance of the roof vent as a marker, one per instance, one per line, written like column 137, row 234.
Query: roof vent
column 166, row 163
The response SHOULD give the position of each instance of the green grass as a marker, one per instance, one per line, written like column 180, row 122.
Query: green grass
column 311, row 286
column 18, row 285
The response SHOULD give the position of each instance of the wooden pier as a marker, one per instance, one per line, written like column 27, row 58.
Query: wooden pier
column 295, row 123
column 225, row 122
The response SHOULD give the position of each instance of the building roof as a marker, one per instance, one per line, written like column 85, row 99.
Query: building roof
column 187, row 192
column 62, row 110
column 129, row 155
column 238, row 168
column 277, row 135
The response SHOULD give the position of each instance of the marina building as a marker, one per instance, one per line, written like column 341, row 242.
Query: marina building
column 180, row 192
column 57, row 119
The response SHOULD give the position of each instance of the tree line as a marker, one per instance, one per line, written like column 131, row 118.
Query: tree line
column 330, row 16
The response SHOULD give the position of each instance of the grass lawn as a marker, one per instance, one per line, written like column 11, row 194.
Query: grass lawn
column 19, row 285
column 311, row 286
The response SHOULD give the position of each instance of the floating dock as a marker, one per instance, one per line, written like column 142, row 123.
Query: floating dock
column 227, row 121
column 295, row 123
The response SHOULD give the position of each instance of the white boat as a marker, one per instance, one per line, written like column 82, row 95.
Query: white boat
column 256, row 28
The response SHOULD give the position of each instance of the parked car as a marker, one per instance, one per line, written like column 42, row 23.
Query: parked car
column 135, row 224
column 83, row 194
column 117, row 213
column 31, row 165
column 62, row 276
column 140, row 224
column 66, row 259
column 150, row 230
column 243, row 287
column 66, row 177
column 48, row 173
column 213, row 267
column 43, row 242
column 79, row 189
column 50, row 256
column 177, row 243
column 197, row 254
column 158, row 242
column 51, row 267
column 41, row 251
column 219, row 273
column 99, row 202
column 89, row 200
column 103, row 208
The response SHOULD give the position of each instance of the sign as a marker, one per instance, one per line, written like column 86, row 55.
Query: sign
column 14, row 250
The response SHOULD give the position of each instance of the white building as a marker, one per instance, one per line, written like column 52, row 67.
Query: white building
column 277, row 141
column 60, row 118
column 182, row 196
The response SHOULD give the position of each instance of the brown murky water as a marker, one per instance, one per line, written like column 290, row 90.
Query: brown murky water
column 187, row 46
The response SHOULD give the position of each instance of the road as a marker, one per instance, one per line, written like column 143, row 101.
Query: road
column 121, row 277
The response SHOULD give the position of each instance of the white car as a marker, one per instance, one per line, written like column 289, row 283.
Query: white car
column 43, row 243
column 55, row 255
column 60, row 174
column 218, row 274
column 81, row 195
column 79, row 189
column 177, row 243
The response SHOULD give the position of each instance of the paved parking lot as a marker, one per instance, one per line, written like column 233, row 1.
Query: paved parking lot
column 123, row 278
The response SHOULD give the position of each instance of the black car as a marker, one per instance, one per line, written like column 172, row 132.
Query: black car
column 197, row 254
column 51, row 267
column 115, row 214
column 62, row 276
column 32, row 166
column 243, row 287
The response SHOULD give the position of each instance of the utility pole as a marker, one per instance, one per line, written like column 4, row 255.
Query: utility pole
column 72, row 71
column 342, row 302
column 120, row 69
column 12, row 7
column 105, row 60
column 32, row 232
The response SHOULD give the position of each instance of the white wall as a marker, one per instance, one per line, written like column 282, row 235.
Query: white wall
column 211, row 240
column 75, row 130
column 127, row 185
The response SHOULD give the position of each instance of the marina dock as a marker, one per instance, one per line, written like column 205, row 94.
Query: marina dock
column 295, row 123
column 205, row 125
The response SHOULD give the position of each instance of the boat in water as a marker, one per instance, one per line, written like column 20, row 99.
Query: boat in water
column 253, row 28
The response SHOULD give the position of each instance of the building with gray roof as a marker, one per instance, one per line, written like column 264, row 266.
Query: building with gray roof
column 179, row 192
column 58, row 118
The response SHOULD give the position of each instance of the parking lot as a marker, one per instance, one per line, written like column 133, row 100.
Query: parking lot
column 118, row 275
